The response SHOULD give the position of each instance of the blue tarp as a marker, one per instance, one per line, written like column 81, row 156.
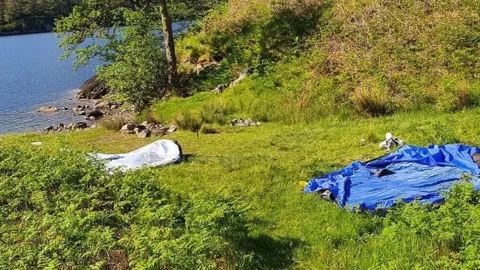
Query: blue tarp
column 410, row 173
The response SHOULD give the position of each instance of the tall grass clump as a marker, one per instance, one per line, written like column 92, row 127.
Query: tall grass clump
column 116, row 122
column 214, row 111
column 371, row 99
column 190, row 120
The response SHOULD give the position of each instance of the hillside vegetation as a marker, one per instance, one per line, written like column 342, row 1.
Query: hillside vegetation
column 347, row 58
column 24, row 16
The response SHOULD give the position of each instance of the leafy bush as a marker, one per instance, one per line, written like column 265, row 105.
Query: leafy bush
column 454, row 226
column 61, row 210
column 138, row 68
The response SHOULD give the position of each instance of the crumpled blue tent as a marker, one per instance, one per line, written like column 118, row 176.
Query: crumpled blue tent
column 410, row 173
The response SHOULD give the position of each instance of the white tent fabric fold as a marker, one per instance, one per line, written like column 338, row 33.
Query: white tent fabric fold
column 159, row 153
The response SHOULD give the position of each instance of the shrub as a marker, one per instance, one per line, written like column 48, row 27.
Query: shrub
column 214, row 111
column 137, row 69
column 61, row 210
column 457, row 94
column 453, row 226
column 148, row 116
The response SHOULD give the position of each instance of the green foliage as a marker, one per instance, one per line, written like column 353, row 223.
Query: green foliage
column 252, row 32
column 262, row 167
column 190, row 10
column 61, row 210
column 133, row 58
column 22, row 16
column 189, row 120
column 138, row 67
column 280, row 94
column 349, row 57
column 453, row 226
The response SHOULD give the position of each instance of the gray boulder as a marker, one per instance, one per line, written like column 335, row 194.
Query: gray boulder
column 220, row 88
column 49, row 129
column 102, row 105
column 128, row 129
column 93, row 88
column 244, row 123
column 81, row 125
column 243, row 75
column 94, row 114
column 47, row 109
column 144, row 133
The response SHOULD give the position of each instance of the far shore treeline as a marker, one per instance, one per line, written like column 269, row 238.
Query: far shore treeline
column 36, row 16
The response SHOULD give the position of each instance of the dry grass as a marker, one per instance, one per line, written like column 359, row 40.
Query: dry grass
column 372, row 98
column 189, row 120
column 116, row 122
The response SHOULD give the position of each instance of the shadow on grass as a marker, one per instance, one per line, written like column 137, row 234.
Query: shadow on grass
column 273, row 253
column 269, row 252
column 255, row 44
column 187, row 158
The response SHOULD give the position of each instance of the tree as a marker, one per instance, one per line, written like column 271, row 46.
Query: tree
column 93, row 30
column 169, row 43
column 32, row 15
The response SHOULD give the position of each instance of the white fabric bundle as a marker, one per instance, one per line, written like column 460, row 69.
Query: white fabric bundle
column 159, row 153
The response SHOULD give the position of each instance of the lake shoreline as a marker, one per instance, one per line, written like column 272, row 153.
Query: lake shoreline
column 30, row 120
column 33, row 75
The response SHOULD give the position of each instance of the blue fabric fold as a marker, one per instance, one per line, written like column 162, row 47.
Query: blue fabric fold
column 415, row 173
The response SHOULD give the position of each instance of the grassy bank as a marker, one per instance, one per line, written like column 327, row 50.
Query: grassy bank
column 262, row 167
column 315, row 58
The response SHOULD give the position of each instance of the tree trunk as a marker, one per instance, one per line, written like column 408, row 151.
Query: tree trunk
column 169, row 44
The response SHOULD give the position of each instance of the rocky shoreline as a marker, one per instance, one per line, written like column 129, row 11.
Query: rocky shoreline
column 91, row 106
column 97, row 109
column 90, row 113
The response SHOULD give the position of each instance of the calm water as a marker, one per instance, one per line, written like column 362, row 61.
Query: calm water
column 32, row 75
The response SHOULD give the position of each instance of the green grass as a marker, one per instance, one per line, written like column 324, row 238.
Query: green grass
column 315, row 58
column 263, row 167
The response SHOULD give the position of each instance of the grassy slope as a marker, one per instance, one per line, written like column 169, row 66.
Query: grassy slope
column 262, row 166
column 315, row 58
